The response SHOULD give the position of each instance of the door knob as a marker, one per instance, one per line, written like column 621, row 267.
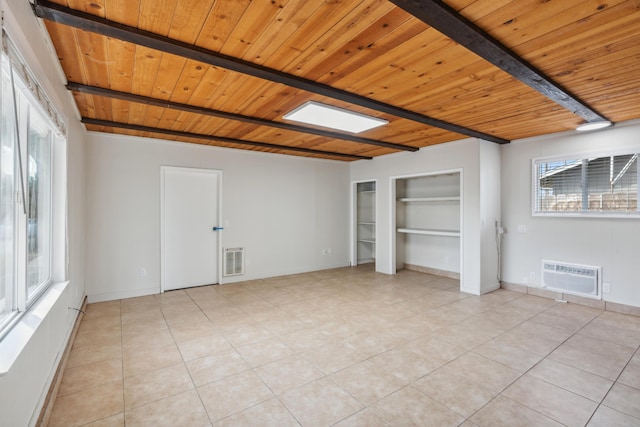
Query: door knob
column 218, row 228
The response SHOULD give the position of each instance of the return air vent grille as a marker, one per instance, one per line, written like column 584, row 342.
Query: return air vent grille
column 233, row 261
column 575, row 279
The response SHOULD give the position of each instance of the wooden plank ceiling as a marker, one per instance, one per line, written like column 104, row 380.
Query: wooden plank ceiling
column 372, row 49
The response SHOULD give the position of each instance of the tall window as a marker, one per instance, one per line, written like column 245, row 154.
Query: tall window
column 604, row 185
column 28, row 135
column 8, row 188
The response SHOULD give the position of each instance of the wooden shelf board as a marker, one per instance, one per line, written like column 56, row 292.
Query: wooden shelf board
column 449, row 233
column 429, row 199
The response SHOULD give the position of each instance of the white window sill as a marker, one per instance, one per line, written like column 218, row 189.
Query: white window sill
column 21, row 333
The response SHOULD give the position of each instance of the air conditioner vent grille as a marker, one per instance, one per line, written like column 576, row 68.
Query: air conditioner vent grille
column 575, row 279
column 233, row 262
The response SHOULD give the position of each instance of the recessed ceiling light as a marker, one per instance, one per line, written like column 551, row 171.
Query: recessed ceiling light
column 314, row 113
column 593, row 125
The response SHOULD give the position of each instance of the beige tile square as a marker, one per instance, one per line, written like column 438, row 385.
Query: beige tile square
column 155, row 339
column 247, row 334
column 367, row 382
column 305, row 339
column 289, row 373
column 492, row 375
column 454, row 391
column 405, row 364
column 204, row 346
column 589, row 354
column 182, row 409
column 607, row 417
column 176, row 319
column 364, row 418
column 139, row 360
column 572, row 379
column 561, row 405
column 102, row 310
column 410, row 407
column 90, row 375
column 216, row 366
column 463, row 336
column 156, row 385
column 233, row 394
column 151, row 315
column 631, row 374
column 271, row 413
column 144, row 326
column 90, row 354
column 320, row 403
column 113, row 421
column 264, row 351
column 283, row 326
column 509, row 355
column 606, row 329
column 332, row 357
column 87, row 406
column 624, row 399
column 98, row 339
column 435, row 349
column 101, row 324
column 370, row 343
column 506, row 412
column 192, row 330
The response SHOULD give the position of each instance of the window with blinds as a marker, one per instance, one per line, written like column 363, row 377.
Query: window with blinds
column 606, row 185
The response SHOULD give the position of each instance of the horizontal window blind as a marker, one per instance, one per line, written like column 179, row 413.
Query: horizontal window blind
column 607, row 184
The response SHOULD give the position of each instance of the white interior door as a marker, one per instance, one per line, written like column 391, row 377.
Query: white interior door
column 190, row 210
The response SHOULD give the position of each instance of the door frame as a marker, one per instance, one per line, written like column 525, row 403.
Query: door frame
column 163, row 170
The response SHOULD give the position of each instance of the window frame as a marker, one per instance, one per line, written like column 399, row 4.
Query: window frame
column 27, row 107
column 580, row 156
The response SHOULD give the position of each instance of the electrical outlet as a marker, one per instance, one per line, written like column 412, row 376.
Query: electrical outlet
column 606, row 288
column 525, row 280
column 143, row 272
column 522, row 229
column 532, row 276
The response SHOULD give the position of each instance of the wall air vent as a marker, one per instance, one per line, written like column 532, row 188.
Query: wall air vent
column 575, row 279
column 233, row 262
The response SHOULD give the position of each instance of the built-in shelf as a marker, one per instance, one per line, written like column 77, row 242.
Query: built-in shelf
column 449, row 233
column 430, row 199
column 365, row 222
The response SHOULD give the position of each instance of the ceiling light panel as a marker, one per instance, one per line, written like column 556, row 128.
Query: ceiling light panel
column 315, row 113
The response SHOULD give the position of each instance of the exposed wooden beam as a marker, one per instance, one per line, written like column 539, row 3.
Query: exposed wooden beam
column 120, row 125
column 449, row 22
column 126, row 96
column 96, row 24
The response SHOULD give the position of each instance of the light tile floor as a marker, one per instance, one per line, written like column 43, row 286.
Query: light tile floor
column 350, row 347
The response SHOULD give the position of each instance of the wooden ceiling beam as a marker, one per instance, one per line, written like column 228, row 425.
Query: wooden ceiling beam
column 96, row 24
column 126, row 96
column 150, row 129
column 449, row 22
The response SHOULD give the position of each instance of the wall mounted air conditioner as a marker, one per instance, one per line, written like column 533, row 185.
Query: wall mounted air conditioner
column 233, row 262
column 574, row 279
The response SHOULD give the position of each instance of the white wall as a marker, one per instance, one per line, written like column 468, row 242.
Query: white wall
column 48, row 325
column 463, row 155
column 613, row 244
column 282, row 209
